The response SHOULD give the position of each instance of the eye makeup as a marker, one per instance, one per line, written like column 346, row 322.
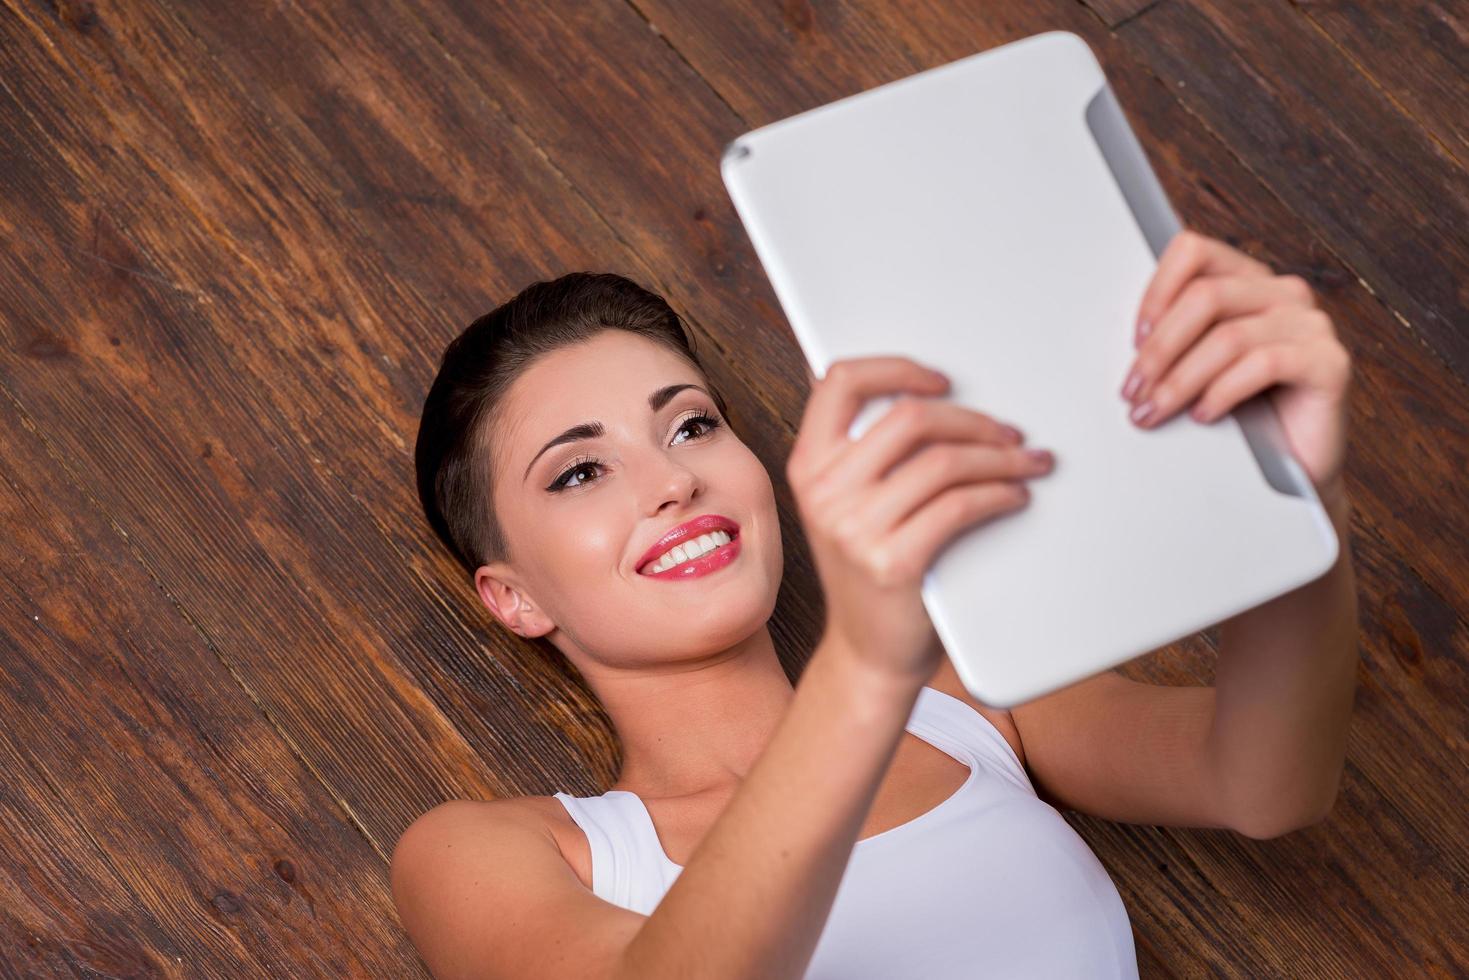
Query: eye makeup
column 708, row 422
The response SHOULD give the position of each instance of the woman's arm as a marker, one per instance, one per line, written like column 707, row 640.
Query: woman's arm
column 1216, row 326
column 754, row 897
column 1285, row 684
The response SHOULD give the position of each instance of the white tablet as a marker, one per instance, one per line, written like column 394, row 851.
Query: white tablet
column 996, row 218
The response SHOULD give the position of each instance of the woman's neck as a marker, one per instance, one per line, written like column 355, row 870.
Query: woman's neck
column 695, row 728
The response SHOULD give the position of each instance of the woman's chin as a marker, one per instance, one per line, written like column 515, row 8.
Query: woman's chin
column 710, row 617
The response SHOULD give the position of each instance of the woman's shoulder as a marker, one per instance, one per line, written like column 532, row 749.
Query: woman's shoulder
column 518, row 809
column 570, row 839
column 542, row 815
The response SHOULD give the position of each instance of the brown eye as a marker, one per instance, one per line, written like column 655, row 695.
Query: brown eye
column 708, row 422
column 700, row 426
column 580, row 465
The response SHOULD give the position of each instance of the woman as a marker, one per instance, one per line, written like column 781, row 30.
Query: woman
column 874, row 820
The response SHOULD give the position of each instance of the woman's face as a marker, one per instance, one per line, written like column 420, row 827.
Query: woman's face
column 579, row 516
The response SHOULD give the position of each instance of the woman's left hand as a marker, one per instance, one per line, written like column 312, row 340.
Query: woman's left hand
column 1223, row 328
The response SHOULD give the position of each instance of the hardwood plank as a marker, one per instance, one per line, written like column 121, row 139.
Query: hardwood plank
column 1416, row 52
column 154, row 822
column 1379, row 189
column 1115, row 12
column 284, row 572
column 63, row 909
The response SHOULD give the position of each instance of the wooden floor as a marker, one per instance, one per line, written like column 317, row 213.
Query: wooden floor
column 236, row 239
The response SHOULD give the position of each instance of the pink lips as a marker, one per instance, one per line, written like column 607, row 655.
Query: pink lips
column 703, row 524
column 703, row 565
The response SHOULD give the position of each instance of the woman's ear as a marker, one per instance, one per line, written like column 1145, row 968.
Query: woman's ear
column 502, row 595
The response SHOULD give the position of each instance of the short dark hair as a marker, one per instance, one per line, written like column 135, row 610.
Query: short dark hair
column 452, row 456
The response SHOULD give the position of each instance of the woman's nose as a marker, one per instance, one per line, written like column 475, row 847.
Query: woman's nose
column 669, row 481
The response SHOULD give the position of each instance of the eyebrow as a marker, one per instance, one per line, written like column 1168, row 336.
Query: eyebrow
column 595, row 430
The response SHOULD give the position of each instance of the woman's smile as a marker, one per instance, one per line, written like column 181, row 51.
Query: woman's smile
column 692, row 539
column 710, row 561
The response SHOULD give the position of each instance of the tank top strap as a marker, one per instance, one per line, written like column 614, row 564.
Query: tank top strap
column 959, row 729
column 629, row 867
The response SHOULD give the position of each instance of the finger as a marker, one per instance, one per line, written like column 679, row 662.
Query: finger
column 1220, row 348
column 1188, row 254
column 1314, row 364
column 907, row 552
column 1203, row 303
column 1245, row 378
column 837, row 397
column 938, row 467
column 898, row 434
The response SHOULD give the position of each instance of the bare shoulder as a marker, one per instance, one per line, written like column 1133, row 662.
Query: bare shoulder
column 541, row 816
column 463, row 873
column 570, row 839
column 946, row 679
column 463, row 826
column 455, row 817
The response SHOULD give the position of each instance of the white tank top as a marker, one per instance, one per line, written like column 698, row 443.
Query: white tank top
column 991, row 882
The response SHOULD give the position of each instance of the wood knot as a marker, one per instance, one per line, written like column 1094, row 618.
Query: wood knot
column 227, row 903
column 795, row 16
column 79, row 15
column 112, row 956
column 47, row 345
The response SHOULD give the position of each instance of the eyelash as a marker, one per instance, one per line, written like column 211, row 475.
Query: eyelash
column 709, row 422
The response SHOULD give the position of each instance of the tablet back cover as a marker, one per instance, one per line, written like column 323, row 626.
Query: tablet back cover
column 996, row 218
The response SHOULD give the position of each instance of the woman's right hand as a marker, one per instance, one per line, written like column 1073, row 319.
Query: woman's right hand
column 877, row 511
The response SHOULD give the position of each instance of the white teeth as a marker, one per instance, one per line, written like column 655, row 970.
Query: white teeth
column 689, row 550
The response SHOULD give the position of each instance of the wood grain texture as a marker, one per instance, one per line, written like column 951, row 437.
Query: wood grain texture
column 1378, row 187
column 237, row 238
column 1413, row 52
column 1115, row 12
column 154, row 822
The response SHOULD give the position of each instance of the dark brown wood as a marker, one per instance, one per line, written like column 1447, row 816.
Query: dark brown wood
column 236, row 240
column 153, row 820
column 1115, row 12
column 1376, row 185
column 1413, row 52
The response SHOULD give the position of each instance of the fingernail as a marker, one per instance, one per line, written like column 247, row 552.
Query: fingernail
column 1143, row 412
column 1012, row 433
column 1142, row 332
column 1040, row 455
column 1133, row 380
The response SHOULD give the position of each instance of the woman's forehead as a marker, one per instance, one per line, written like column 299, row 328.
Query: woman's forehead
column 605, row 356
column 600, row 380
column 602, row 375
